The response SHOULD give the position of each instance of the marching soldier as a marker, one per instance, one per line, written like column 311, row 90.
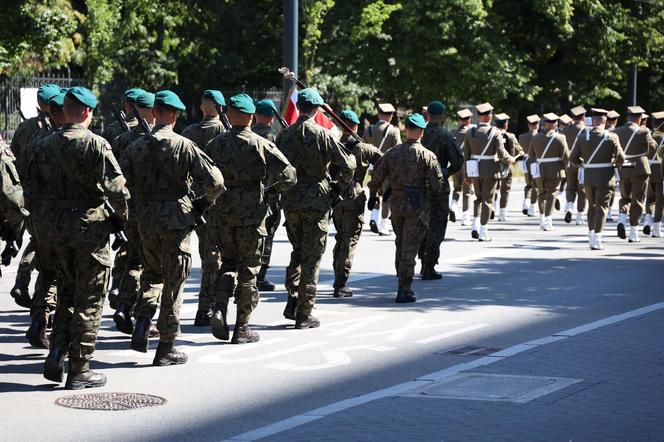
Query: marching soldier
column 348, row 214
column 550, row 153
column 159, row 168
column 655, row 198
column 638, row 145
column 114, row 128
column 311, row 149
column 513, row 148
column 77, row 172
column 412, row 172
column 611, row 123
column 462, row 186
column 202, row 133
column 265, row 113
column 384, row 135
column 572, row 134
column 596, row 152
column 439, row 141
column 530, row 190
column 245, row 159
column 484, row 151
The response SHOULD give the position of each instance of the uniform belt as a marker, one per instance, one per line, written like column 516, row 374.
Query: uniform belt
column 597, row 165
column 484, row 157
column 630, row 157
column 75, row 204
column 159, row 197
column 549, row 160
column 655, row 162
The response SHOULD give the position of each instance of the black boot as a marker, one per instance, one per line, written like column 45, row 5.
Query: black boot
column 154, row 331
column 202, row 318
column 262, row 283
column 343, row 292
column 36, row 333
column 168, row 355
column 306, row 321
column 113, row 295
column 405, row 296
column 140, row 337
column 21, row 295
column 621, row 231
column 122, row 318
column 373, row 226
column 429, row 273
column 244, row 335
column 219, row 322
column 291, row 306
column 54, row 365
column 85, row 379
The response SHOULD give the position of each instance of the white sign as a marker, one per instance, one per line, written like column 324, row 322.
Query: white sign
column 29, row 102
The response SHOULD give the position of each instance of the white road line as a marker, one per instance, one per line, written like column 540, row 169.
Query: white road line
column 449, row 334
column 222, row 357
column 334, row 358
column 309, row 416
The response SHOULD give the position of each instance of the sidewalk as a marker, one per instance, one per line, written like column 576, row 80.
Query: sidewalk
column 612, row 388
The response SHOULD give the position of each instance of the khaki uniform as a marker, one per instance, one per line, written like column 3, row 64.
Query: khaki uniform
column 159, row 169
column 655, row 197
column 530, row 191
column 552, row 166
column 385, row 136
column 512, row 147
column 462, row 187
column 599, row 178
column 634, row 180
column 572, row 134
column 412, row 172
column 12, row 205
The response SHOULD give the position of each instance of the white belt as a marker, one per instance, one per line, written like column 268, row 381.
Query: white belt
column 655, row 162
column 548, row 160
column 629, row 157
column 484, row 157
column 597, row 165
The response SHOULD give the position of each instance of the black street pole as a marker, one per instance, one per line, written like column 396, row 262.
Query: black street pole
column 291, row 23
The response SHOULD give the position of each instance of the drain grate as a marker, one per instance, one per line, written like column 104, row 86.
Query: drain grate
column 110, row 401
column 470, row 350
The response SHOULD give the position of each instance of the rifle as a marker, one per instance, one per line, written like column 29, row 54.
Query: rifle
column 116, row 223
column 20, row 112
column 44, row 118
column 141, row 121
column 281, row 120
column 224, row 118
column 120, row 117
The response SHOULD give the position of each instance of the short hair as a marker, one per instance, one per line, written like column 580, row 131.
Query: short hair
column 501, row 124
column 306, row 107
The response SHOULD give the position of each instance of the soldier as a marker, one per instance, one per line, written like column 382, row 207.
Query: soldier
column 550, row 152
column 114, row 128
column 512, row 147
column 572, row 134
column 462, row 186
column 611, row 123
column 439, row 141
column 159, row 168
column 202, row 133
column 530, row 190
column 655, row 198
column 596, row 152
column 76, row 173
column 412, row 172
column 27, row 132
column 310, row 148
column 245, row 159
column 130, row 260
column 638, row 145
column 384, row 135
column 484, row 151
column 348, row 214
column 265, row 113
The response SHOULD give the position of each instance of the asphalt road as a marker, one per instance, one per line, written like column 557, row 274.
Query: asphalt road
column 523, row 285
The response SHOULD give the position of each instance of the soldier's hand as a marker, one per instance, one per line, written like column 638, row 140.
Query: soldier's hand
column 373, row 201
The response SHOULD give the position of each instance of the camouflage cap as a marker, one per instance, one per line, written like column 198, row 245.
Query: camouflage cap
column 350, row 116
column 464, row 113
column 169, row 99
column 266, row 107
column 82, row 95
column 145, row 100
column 415, row 121
column 47, row 91
column 215, row 96
column 243, row 103
column 132, row 94
column 310, row 96
column 436, row 108
column 578, row 111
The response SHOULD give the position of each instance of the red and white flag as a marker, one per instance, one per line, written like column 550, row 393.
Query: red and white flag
column 291, row 113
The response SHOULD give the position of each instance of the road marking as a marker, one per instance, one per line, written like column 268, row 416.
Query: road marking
column 318, row 413
column 221, row 357
column 398, row 334
column 354, row 324
column 449, row 334
column 335, row 358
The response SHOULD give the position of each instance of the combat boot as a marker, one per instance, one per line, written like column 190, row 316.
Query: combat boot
column 306, row 321
column 202, row 318
column 85, row 379
column 168, row 355
column 113, row 294
column 291, row 306
column 154, row 331
column 140, row 337
column 54, row 365
column 122, row 319
column 244, row 335
column 36, row 333
column 21, row 295
column 219, row 323
column 373, row 226
column 429, row 273
column 622, row 220
column 405, row 296
column 262, row 283
column 343, row 292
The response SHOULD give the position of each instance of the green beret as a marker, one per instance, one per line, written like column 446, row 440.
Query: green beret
column 415, row 121
column 310, row 96
column 47, row 91
column 170, row 99
column 132, row 94
column 350, row 116
column 58, row 101
column 266, row 107
column 215, row 96
column 243, row 103
column 82, row 95
column 436, row 108
column 145, row 100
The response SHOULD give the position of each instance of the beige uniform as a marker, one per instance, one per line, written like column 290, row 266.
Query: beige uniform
column 655, row 197
column 599, row 178
column 513, row 148
column 385, row 136
column 530, row 191
column 551, row 164
column 638, row 144
column 462, row 187
column 572, row 135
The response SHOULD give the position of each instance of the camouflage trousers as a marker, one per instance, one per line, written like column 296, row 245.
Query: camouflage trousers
column 242, row 248
column 82, row 285
column 348, row 218
column 307, row 232
column 27, row 263
column 44, row 299
column 132, row 266
column 167, row 265
column 271, row 225
column 409, row 231
column 210, row 265
column 435, row 234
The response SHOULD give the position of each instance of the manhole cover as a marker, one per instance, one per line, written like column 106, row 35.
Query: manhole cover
column 110, row 401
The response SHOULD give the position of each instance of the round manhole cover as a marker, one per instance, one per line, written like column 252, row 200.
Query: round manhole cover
column 110, row 401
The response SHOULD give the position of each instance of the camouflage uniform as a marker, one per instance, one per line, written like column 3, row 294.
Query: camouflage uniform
column 114, row 129
column 310, row 148
column 413, row 173
column 11, row 194
column 201, row 133
column 159, row 169
column 75, row 171
column 440, row 142
column 348, row 214
column 245, row 160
